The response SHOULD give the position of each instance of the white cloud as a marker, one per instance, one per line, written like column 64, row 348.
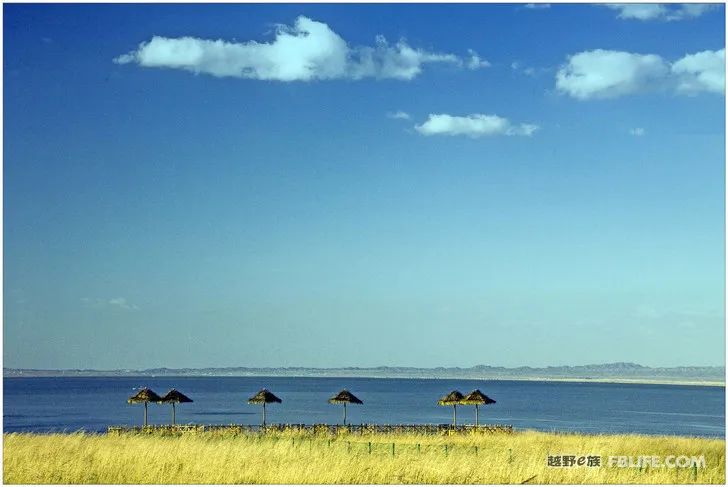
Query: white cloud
column 399, row 115
column 121, row 303
column 309, row 50
column 475, row 125
column 657, row 11
column 703, row 71
column 537, row 5
column 689, row 10
column 637, row 131
column 475, row 61
column 639, row 11
column 610, row 74
column 399, row 61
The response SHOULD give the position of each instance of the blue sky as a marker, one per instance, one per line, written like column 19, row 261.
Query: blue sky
column 363, row 185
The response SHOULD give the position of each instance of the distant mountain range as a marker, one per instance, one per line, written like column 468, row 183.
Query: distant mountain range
column 614, row 372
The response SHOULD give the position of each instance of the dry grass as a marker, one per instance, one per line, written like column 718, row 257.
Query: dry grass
column 224, row 458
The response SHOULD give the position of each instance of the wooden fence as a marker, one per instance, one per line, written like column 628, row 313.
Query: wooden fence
column 317, row 428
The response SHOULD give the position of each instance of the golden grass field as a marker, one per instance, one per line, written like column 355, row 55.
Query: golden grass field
column 225, row 458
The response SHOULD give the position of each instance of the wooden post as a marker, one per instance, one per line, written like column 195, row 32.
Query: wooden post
column 392, row 449
column 370, row 447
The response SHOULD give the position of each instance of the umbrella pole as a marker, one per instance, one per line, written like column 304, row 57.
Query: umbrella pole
column 455, row 415
column 476, row 415
column 264, row 413
column 344, row 414
column 174, row 415
column 145, row 413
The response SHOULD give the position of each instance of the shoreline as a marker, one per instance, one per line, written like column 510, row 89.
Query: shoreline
column 597, row 380
column 515, row 431
column 155, row 431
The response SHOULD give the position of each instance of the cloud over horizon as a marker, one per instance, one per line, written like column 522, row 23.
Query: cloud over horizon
column 308, row 50
column 475, row 125
column 600, row 74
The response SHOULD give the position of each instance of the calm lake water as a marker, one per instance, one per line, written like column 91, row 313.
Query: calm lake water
column 58, row 404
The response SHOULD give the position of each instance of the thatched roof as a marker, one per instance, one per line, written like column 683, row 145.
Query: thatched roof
column 175, row 396
column 264, row 396
column 345, row 396
column 477, row 397
column 144, row 395
column 453, row 398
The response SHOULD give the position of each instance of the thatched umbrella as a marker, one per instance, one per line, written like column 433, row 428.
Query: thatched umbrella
column 477, row 398
column 344, row 397
column 146, row 396
column 174, row 397
column 452, row 399
column 263, row 397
